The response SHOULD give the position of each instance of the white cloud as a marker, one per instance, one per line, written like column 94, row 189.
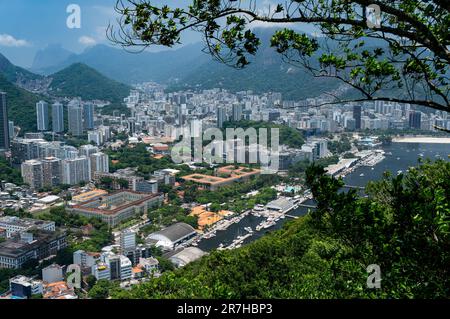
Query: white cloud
column 9, row 41
column 100, row 33
column 88, row 41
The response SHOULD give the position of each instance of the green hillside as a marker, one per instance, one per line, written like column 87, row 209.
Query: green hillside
column 85, row 82
column 402, row 226
column 14, row 73
column 21, row 105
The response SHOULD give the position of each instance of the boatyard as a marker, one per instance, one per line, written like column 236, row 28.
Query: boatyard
column 345, row 166
column 268, row 216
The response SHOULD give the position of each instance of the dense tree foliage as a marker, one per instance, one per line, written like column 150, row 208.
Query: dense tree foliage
column 288, row 136
column 340, row 146
column 402, row 226
column 232, row 197
column 85, row 82
column 21, row 105
column 138, row 156
column 98, row 238
column 9, row 173
column 170, row 214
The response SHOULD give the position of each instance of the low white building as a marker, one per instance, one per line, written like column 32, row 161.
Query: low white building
column 101, row 271
column 149, row 264
column 172, row 236
column 52, row 273
column 186, row 256
column 25, row 287
column 126, row 268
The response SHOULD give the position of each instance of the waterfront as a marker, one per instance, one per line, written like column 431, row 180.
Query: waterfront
column 398, row 158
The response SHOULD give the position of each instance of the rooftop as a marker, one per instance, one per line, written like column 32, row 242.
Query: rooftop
column 188, row 255
column 89, row 195
column 98, row 205
column 176, row 231
column 230, row 173
column 16, row 247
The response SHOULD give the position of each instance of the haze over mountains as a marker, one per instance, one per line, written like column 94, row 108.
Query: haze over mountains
column 189, row 67
column 107, row 73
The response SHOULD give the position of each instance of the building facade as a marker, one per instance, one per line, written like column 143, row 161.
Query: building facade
column 58, row 117
column 42, row 115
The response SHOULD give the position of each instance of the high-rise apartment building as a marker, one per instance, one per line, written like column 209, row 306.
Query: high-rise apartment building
column 51, row 171
column 75, row 118
column 415, row 119
column 357, row 116
column 221, row 116
column 58, row 117
column 42, row 173
column 88, row 116
column 127, row 241
column 88, row 150
column 4, row 127
column 99, row 163
column 42, row 115
column 76, row 170
column 237, row 112
column 32, row 173
column 11, row 129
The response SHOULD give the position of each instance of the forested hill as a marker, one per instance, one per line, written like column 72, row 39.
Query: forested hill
column 21, row 104
column 77, row 80
column 81, row 80
column 14, row 73
column 402, row 226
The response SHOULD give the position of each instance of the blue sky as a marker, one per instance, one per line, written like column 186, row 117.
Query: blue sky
column 27, row 26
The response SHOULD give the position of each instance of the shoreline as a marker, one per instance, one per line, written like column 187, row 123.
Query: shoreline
column 422, row 139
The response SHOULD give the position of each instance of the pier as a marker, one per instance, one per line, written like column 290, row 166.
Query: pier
column 305, row 205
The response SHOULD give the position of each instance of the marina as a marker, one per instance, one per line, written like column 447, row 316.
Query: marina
column 227, row 231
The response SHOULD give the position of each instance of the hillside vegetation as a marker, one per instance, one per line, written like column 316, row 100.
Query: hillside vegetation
column 402, row 226
column 21, row 105
column 85, row 82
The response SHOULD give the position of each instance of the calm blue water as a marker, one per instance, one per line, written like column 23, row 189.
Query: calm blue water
column 404, row 155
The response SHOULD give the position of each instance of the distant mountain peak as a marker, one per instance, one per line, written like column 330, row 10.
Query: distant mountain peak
column 79, row 79
column 51, row 55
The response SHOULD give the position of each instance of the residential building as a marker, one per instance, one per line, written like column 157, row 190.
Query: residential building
column 221, row 116
column 52, row 273
column 42, row 115
column 11, row 130
column 127, row 241
column 58, row 117
column 75, row 171
column 59, row 290
column 38, row 245
column 357, row 115
column 4, row 127
column 85, row 259
column 75, row 118
column 24, row 287
column 99, row 163
column 237, row 112
column 415, row 119
column 88, row 116
column 101, row 271
column 13, row 225
column 51, row 171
